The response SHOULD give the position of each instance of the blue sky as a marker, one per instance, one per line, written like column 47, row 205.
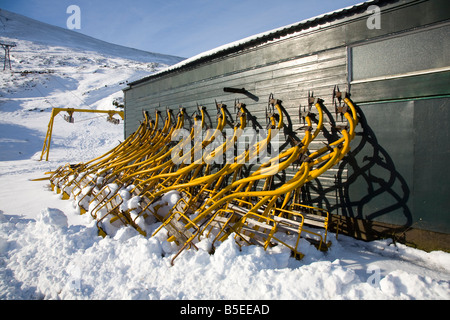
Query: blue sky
column 177, row 27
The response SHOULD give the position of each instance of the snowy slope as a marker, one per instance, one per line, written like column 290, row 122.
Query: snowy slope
column 54, row 67
column 16, row 26
column 49, row 251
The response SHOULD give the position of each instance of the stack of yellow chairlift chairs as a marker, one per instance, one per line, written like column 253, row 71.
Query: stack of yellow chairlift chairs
column 212, row 203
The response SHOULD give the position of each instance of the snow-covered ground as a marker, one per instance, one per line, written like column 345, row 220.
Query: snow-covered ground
column 49, row 251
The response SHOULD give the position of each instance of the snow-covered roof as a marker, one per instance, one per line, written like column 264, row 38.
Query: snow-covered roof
column 264, row 37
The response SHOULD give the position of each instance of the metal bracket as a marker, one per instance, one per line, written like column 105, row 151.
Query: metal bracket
column 219, row 107
column 303, row 113
column 312, row 100
column 270, row 110
column 235, row 90
column 300, row 160
column 237, row 109
column 338, row 96
column 69, row 116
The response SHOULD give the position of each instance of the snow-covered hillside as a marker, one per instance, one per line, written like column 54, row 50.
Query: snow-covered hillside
column 15, row 26
column 55, row 67
column 49, row 251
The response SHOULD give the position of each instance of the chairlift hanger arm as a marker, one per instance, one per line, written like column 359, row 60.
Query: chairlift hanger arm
column 70, row 111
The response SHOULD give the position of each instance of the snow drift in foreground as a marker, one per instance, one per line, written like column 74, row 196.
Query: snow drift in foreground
column 49, row 251
column 45, row 258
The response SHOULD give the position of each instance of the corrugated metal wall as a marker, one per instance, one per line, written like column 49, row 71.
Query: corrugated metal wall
column 289, row 80
column 261, row 71
column 316, row 59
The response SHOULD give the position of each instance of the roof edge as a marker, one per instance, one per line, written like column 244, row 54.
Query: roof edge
column 262, row 38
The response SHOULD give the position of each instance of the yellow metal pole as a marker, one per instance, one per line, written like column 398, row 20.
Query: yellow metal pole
column 48, row 137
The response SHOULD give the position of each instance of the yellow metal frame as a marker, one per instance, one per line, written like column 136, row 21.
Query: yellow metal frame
column 153, row 159
column 70, row 111
column 68, row 174
column 144, row 162
column 337, row 149
column 206, row 181
column 126, row 149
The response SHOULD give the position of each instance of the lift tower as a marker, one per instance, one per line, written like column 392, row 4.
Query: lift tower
column 7, row 47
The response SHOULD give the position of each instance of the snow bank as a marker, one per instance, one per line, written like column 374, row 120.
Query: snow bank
column 52, row 217
column 53, row 261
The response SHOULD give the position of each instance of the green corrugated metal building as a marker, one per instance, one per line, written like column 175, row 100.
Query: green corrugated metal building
column 393, row 57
